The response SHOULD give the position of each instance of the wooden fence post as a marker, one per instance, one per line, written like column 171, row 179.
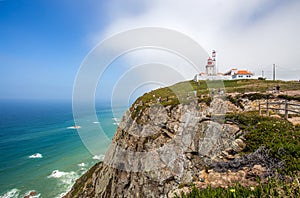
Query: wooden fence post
column 268, row 107
column 259, row 109
column 286, row 113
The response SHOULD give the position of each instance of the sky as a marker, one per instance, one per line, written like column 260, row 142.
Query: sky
column 43, row 43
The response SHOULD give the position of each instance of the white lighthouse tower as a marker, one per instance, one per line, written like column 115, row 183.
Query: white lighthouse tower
column 211, row 65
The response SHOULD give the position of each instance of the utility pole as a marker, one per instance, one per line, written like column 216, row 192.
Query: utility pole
column 273, row 72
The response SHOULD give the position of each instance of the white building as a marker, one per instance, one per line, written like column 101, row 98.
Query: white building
column 211, row 73
column 242, row 74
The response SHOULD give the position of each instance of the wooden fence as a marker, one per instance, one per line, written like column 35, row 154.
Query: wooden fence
column 267, row 106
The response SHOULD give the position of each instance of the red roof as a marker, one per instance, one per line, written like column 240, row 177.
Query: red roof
column 244, row 72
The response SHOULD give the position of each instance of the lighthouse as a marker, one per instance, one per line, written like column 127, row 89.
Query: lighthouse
column 211, row 64
column 212, row 74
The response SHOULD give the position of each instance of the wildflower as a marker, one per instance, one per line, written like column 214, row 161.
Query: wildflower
column 252, row 188
column 232, row 190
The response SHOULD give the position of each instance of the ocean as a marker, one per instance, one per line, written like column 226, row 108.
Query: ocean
column 41, row 151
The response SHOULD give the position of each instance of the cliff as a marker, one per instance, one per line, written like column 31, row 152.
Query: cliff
column 159, row 150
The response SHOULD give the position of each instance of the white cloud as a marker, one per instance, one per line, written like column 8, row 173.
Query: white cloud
column 246, row 34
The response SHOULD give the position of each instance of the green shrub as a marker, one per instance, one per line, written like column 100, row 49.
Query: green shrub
column 278, row 135
column 287, row 97
column 236, row 101
column 257, row 96
column 273, row 188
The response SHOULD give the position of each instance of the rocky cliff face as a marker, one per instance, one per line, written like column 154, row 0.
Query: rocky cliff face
column 160, row 149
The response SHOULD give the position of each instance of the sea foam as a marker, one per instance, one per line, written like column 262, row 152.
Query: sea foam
column 81, row 164
column 56, row 174
column 99, row 157
column 32, row 194
column 36, row 155
column 64, row 177
column 116, row 119
column 74, row 127
column 11, row 194
column 65, row 180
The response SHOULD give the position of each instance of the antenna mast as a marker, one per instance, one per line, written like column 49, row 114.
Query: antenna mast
column 273, row 72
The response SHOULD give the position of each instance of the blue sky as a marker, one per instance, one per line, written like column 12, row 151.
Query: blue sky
column 43, row 42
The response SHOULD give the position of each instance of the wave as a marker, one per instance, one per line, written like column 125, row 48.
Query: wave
column 64, row 177
column 11, row 194
column 96, row 122
column 65, row 180
column 74, row 127
column 99, row 157
column 31, row 194
column 62, row 194
column 15, row 193
column 36, row 155
column 81, row 164
column 56, row 174
column 116, row 119
column 83, row 170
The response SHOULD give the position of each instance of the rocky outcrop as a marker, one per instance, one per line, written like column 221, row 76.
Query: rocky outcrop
column 85, row 185
column 160, row 148
column 243, row 170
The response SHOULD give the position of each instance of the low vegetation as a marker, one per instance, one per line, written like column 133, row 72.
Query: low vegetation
column 297, row 98
column 282, row 139
column 274, row 188
column 236, row 100
column 184, row 92
column 278, row 135
column 256, row 96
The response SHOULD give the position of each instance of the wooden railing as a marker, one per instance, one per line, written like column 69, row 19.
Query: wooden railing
column 267, row 106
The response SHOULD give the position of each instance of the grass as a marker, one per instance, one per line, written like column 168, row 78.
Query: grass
column 183, row 92
column 253, row 85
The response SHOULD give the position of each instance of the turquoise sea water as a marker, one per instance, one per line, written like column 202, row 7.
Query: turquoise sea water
column 38, row 149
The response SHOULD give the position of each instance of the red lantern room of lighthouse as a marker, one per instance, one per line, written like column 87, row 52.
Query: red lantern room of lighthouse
column 209, row 62
column 210, row 67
